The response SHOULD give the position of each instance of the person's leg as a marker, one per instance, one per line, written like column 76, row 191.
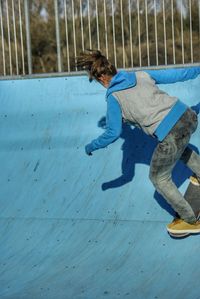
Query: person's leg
column 162, row 164
column 192, row 160
column 165, row 156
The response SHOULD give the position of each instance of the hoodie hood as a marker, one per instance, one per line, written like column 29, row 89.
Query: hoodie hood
column 122, row 80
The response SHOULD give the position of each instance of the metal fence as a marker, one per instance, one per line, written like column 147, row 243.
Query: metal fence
column 46, row 36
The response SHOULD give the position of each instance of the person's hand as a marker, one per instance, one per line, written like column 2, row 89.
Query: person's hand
column 88, row 149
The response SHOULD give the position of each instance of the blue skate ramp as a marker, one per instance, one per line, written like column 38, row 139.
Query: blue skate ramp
column 80, row 227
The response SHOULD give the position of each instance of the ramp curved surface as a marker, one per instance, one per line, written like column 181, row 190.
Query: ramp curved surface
column 79, row 227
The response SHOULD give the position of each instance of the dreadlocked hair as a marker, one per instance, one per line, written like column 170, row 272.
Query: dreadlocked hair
column 95, row 64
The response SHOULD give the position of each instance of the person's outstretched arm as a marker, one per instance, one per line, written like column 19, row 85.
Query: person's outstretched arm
column 166, row 76
column 113, row 127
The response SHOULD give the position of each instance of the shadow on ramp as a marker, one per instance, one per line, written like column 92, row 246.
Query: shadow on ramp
column 138, row 148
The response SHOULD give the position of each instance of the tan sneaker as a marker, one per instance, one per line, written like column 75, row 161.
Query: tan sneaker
column 195, row 180
column 179, row 226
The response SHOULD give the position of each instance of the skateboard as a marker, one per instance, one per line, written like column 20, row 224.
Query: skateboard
column 192, row 195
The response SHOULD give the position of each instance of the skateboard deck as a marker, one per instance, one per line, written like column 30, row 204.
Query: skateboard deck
column 192, row 195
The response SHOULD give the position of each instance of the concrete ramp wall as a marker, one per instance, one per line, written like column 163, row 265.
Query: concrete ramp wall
column 79, row 227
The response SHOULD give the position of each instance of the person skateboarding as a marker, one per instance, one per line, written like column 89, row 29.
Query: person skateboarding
column 134, row 97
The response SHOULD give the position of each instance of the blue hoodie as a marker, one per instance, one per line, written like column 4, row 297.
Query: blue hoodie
column 124, row 80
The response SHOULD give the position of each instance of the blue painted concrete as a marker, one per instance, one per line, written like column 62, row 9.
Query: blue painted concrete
column 79, row 227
